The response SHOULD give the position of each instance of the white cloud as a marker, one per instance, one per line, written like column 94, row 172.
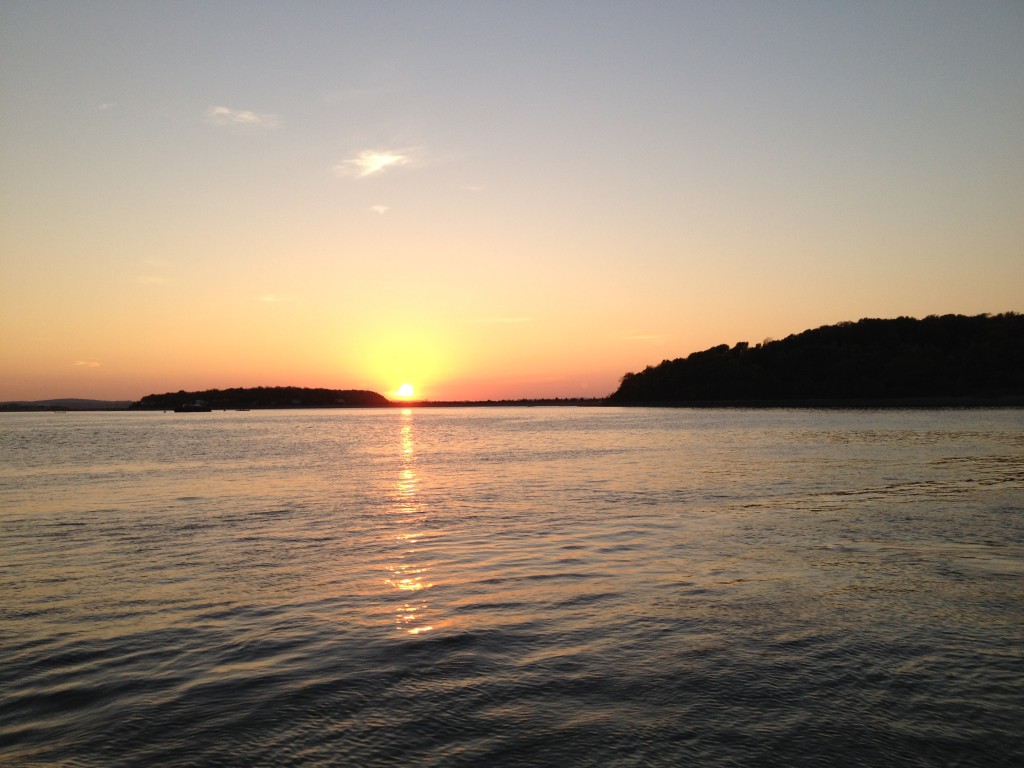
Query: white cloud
column 228, row 116
column 273, row 298
column 371, row 161
column 381, row 209
column 86, row 364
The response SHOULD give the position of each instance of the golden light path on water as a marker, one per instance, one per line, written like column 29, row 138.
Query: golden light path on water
column 407, row 575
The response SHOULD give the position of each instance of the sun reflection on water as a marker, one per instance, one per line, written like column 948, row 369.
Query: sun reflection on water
column 408, row 573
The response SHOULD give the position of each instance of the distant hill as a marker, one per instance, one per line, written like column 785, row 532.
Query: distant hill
column 264, row 397
column 952, row 356
column 65, row 404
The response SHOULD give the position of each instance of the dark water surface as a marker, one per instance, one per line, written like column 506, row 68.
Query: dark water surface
column 571, row 587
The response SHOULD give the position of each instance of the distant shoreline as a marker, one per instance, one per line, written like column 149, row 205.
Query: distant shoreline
column 923, row 403
column 854, row 404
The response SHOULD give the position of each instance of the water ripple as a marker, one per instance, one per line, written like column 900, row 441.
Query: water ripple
column 514, row 587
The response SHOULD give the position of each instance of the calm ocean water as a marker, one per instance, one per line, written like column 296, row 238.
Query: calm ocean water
column 571, row 587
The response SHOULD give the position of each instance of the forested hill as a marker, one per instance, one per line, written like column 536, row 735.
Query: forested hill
column 952, row 356
column 264, row 397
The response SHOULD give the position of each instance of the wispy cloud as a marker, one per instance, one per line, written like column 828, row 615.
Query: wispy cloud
column 273, row 298
column 228, row 116
column 86, row 364
column 371, row 161
column 381, row 209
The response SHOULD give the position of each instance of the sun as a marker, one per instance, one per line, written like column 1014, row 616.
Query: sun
column 405, row 390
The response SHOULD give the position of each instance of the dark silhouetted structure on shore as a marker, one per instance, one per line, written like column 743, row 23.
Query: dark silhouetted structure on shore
column 949, row 357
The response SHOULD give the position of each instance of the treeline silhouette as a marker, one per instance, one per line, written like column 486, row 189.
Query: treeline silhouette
column 264, row 397
column 952, row 356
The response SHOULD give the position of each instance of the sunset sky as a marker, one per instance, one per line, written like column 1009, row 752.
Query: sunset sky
column 489, row 200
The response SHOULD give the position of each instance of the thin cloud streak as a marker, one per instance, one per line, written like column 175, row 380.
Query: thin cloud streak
column 228, row 116
column 86, row 364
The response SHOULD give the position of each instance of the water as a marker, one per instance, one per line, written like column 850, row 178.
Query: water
column 571, row 587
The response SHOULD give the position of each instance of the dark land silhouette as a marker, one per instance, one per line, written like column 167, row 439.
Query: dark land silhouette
column 937, row 361
column 952, row 358
column 263, row 397
column 65, row 404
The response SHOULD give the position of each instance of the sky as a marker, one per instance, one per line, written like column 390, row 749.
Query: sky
column 489, row 200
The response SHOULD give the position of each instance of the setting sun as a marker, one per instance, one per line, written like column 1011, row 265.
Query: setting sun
column 405, row 390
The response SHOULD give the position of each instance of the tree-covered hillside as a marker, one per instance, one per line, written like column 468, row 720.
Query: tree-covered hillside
column 951, row 356
column 264, row 397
